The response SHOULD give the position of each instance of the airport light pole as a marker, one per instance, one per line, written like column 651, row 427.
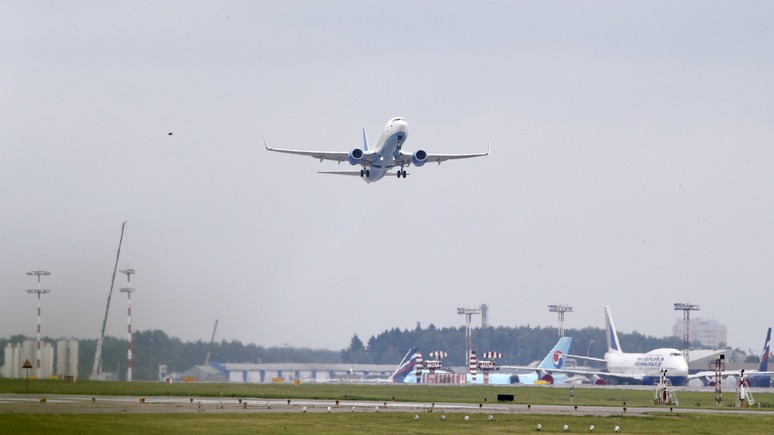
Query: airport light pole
column 686, row 308
column 560, row 310
column 38, row 273
column 468, row 312
column 128, row 290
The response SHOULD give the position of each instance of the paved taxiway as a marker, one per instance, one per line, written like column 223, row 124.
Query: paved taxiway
column 74, row 404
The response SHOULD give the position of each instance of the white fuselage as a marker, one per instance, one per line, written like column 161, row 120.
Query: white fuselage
column 387, row 149
column 649, row 365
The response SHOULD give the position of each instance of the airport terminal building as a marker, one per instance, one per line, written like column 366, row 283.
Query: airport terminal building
column 287, row 372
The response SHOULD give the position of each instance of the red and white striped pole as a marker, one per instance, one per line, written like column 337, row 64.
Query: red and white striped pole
column 128, row 290
column 38, row 291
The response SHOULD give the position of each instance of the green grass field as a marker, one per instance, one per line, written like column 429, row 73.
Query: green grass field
column 380, row 423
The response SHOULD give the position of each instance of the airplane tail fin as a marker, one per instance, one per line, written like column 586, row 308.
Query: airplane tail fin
column 612, row 336
column 365, row 140
column 764, row 367
column 555, row 358
column 406, row 366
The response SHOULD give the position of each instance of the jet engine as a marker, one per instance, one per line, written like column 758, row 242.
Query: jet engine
column 355, row 156
column 596, row 380
column 419, row 158
column 547, row 378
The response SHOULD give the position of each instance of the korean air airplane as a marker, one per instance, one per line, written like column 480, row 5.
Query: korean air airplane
column 635, row 368
column 554, row 360
column 387, row 155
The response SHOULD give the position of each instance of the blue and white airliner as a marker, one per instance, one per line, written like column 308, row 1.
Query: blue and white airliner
column 634, row 368
column 377, row 162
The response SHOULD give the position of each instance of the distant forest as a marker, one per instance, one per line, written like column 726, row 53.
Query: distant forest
column 519, row 345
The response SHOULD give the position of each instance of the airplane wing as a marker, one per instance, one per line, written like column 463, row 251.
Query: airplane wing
column 438, row 158
column 709, row 374
column 336, row 156
column 351, row 173
column 587, row 373
column 588, row 358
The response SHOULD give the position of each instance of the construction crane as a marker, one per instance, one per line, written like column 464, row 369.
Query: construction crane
column 212, row 340
column 96, row 371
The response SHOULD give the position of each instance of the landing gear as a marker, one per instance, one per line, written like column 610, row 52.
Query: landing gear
column 368, row 173
column 362, row 172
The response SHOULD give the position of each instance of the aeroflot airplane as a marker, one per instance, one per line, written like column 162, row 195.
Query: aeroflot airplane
column 639, row 368
column 755, row 378
column 377, row 162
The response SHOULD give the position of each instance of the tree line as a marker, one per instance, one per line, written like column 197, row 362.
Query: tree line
column 519, row 346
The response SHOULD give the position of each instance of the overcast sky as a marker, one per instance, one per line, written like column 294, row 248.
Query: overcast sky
column 631, row 165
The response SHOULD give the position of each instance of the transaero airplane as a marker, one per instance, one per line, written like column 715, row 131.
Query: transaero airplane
column 638, row 368
column 377, row 162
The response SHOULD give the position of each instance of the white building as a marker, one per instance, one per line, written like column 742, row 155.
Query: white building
column 15, row 355
column 707, row 332
column 66, row 359
column 288, row 372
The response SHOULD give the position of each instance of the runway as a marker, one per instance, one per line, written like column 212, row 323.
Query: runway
column 78, row 404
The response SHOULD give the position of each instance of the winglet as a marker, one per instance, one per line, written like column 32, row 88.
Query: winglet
column 266, row 144
column 365, row 140
column 489, row 148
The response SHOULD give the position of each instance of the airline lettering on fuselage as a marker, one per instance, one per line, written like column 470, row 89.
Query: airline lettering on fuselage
column 649, row 361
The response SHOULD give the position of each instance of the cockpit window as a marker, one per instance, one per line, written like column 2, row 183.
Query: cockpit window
column 397, row 119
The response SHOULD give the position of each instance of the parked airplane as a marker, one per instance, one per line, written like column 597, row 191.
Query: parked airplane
column 386, row 156
column 406, row 366
column 555, row 359
column 755, row 378
column 638, row 368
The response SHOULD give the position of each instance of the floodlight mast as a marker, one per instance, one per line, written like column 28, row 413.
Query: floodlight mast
column 560, row 310
column 38, row 291
column 686, row 308
column 128, row 290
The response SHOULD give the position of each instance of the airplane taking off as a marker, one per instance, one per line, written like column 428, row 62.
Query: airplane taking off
column 639, row 368
column 377, row 162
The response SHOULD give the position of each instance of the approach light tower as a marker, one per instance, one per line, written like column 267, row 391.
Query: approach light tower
column 560, row 310
column 686, row 308
column 128, row 290
column 39, row 272
column 468, row 312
